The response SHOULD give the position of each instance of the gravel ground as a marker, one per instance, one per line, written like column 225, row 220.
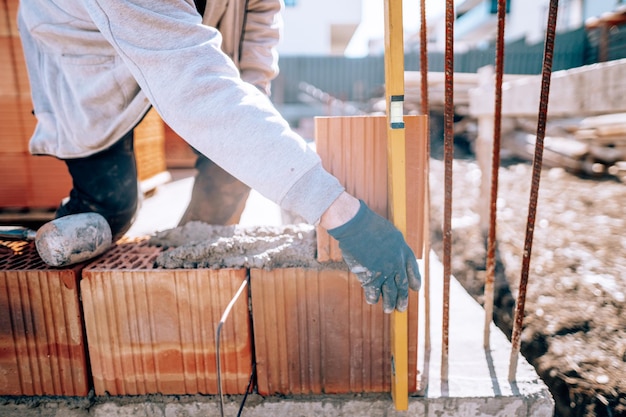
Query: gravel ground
column 575, row 316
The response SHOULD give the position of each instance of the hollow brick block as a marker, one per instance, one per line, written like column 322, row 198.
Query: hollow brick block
column 150, row 146
column 178, row 153
column 8, row 16
column 42, row 346
column 153, row 330
column 13, row 140
column 8, row 81
column 14, row 187
column 32, row 181
column 314, row 333
column 50, row 181
column 354, row 149
column 19, row 63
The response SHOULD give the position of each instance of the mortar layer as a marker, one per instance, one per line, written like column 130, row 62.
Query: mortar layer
column 200, row 245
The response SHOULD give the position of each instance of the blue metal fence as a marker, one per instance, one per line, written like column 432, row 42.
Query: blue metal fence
column 359, row 79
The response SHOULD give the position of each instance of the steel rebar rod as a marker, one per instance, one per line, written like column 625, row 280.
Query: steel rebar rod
column 495, row 168
column 218, row 333
column 534, row 191
column 448, row 157
column 425, row 110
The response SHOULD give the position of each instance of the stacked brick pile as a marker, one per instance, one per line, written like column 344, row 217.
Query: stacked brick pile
column 26, row 181
column 41, row 182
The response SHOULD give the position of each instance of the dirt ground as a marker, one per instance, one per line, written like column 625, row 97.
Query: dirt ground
column 575, row 316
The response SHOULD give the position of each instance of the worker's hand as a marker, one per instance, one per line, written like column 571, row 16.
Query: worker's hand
column 378, row 255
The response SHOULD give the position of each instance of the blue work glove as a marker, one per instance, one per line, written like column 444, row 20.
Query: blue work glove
column 376, row 252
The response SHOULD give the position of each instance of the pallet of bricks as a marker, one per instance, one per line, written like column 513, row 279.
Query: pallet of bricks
column 37, row 184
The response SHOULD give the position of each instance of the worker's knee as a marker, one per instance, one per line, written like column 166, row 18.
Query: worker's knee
column 106, row 183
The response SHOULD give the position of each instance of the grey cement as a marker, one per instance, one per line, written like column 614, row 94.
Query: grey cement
column 200, row 245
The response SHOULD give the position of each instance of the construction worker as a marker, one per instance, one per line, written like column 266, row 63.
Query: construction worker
column 97, row 66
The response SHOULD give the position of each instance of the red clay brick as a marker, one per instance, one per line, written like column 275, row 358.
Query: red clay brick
column 23, row 83
column 32, row 181
column 8, row 14
column 12, row 127
column 178, row 153
column 15, row 184
column 50, row 181
column 4, row 23
column 150, row 146
column 153, row 330
column 354, row 149
column 42, row 347
column 8, row 81
column 315, row 334
column 18, row 123
column 29, row 121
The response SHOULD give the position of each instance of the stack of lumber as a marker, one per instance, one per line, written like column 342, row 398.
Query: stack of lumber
column 605, row 137
column 463, row 82
column 593, row 146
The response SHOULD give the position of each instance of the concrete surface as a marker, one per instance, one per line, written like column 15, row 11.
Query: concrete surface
column 477, row 383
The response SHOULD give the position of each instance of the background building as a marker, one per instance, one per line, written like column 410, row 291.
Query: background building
column 319, row 27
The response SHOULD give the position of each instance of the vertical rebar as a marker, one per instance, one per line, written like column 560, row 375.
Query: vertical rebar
column 495, row 167
column 534, row 191
column 218, row 332
column 425, row 110
column 424, row 60
column 448, row 152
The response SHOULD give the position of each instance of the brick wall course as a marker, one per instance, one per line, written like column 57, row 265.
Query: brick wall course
column 42, row 346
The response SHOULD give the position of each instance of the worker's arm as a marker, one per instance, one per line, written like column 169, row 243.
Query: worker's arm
column 180, row 67
column 375, row 252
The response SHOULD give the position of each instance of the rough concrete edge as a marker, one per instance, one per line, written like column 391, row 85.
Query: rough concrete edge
column 530, row 388
column 304, row 406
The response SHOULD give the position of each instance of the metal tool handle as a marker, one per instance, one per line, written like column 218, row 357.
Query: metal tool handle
column 17, row 233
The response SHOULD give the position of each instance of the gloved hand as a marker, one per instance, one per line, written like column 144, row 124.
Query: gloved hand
column 376, row 252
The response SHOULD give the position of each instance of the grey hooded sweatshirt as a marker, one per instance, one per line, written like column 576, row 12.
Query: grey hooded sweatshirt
column 95, row 66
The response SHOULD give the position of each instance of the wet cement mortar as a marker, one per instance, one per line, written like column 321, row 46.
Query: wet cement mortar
column 200, row 245
column 574, row 331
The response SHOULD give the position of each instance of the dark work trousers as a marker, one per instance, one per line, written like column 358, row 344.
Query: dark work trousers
column 105, row 183
column 217, row 197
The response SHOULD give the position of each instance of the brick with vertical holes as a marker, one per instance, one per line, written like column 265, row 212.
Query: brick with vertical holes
column 314, row 333
column 42, row 345
column 153, row 330
column 354, row 149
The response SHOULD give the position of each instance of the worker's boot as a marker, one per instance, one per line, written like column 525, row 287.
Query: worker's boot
column 105, row 183
column 217, row 197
